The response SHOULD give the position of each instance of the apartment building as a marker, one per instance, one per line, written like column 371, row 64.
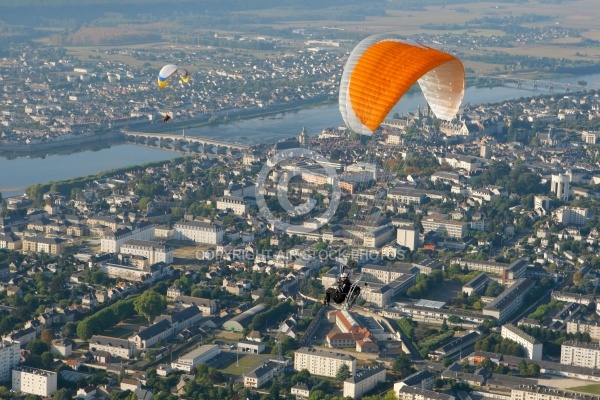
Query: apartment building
column 322, row 363
column 10, row 356
column 378, row 237
column 206, row 306
column 153, row 251
column 406, row 195
column 34, row 381
column 262, row 374
column 116, row 347
column 237, row 204
column 476, row 285
column 573, row 297
column 405, row 392
column 363, row 381
column 199, row 232
column 148, row 273
column 532, row 346
column 590, row 137
column 535, row 392
column 509, row 300
column 454, row 229
column 106, row 221
column 407, row 236
column 507, row 271
column 111, row 241
column 580, row 354
column 421, row 379
column 593, row 328
column 43, row 245
column 571, row 215
column 202, row 354
column 385, row 274
column 10, row 241
column 432, row 315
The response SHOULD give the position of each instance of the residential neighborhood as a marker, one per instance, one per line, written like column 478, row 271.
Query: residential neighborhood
column 469, row 249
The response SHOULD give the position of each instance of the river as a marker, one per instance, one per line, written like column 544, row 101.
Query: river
column 18, row 173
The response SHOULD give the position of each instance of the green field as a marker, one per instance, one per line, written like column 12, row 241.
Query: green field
column 246, row 363
column 592, row 389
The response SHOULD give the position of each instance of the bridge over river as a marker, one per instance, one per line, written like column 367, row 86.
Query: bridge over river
column 177, row 142
column 534, row 84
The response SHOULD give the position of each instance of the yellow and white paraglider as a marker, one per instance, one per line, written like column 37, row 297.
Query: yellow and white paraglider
column 165, row 74
column 383, row 67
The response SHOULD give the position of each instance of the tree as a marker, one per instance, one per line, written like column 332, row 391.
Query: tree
column 533, row 369
column 494, row 289
column 401, row 365
column 453, row 319
column 444, row 326
column 343, row 373
column 37, row 347
column 62, row 394
column 523, row 368
column 47, row 360
column 69, row 329
column 5, row 393
column 150, row 305
column 84, row 329
column 577, row 277
column 47, row 336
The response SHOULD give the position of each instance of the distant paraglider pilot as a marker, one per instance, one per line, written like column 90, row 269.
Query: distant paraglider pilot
column 338, row 294
column 166, row 118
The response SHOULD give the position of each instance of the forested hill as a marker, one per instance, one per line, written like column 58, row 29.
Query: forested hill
column 43, row 13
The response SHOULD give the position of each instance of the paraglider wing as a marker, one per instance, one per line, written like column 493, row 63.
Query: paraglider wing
column 168, row 71
column 382, row 68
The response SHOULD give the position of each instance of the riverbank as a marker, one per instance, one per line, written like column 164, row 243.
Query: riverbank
column 13, row 150
column 233, row 115
column 107, row 139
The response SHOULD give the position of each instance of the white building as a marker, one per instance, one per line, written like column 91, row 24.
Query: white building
column 560, row 186
column 571, row 215
column 111, row 242
column 10, row 356
column 234, row 203
column 534, row 392
column 116, row 347
column 593, row 328
column 509, row 300
column 541, row 204
column 405, row 392
column 322, row 363
column 590, row 137
column 378, row 237
column 262, row 374
column 363, row 381
column 454, row 229
column 199, row 232
column 408, row 236
column 202, row 354
column 532, row 346
column 580, row 354
column 34, row 381
column 63, row 347
column 153, row 251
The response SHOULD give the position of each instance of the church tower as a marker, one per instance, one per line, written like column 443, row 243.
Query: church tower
column 303, row 139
